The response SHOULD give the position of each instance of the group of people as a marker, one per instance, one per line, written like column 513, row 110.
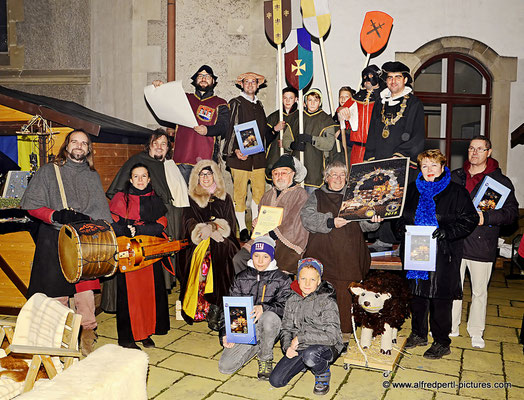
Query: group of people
column 175, row 188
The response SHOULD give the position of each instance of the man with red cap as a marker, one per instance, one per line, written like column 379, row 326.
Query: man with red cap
column 202, row 141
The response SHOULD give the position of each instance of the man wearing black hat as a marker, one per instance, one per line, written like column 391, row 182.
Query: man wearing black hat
column 290, row 236
column 396, row 130
column 201, row 142
column 397, row 125
column 361, row 105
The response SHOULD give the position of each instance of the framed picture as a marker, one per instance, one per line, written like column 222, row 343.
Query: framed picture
column 491, row 195
column 375, row 188
column 15, row 184
column 420, row 252
column 248, row 138
column 240, row 327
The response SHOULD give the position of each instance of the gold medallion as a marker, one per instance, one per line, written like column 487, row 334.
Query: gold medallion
column 385, row 133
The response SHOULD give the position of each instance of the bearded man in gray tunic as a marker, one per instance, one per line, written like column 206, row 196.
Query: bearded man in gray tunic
column 85, row 201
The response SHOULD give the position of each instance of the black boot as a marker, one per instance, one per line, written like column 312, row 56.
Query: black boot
column 213, row 317
column 322, row 383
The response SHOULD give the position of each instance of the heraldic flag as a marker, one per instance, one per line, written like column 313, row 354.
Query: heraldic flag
column 316, row 16
column 375, row 31
column 277, row 20
column 299, row 61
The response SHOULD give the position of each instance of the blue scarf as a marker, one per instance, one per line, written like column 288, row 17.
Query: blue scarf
column 426, row 214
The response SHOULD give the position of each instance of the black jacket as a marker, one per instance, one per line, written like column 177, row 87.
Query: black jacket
column 251, row 282
column 482, row 244
column 457, row 217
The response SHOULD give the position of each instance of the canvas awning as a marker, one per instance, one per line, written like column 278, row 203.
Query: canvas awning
column 102, row 127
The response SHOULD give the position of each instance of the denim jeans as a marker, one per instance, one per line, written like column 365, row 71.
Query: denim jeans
column 267, row 331
column 315, row 357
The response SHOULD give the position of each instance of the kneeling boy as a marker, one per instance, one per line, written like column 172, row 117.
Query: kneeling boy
column 311, row 336
column 270, row 289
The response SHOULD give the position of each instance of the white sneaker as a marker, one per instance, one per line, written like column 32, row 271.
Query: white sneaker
column 477, row 342
column 454, row 333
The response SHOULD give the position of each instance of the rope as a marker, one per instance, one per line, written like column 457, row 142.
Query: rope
column 356, row 338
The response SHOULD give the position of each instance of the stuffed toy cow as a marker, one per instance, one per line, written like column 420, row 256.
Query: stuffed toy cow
column 380, row 306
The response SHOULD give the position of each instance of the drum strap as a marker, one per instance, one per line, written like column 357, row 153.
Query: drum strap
column 60, row 186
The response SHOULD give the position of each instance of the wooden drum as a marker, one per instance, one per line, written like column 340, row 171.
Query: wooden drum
column 87, row 250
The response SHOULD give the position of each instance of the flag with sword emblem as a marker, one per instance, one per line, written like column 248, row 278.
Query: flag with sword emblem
column 375, row 31
column 299, row 61
column 277, row 20
column 316, row 16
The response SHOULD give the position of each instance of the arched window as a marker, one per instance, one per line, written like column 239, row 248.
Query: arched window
column 456, row 92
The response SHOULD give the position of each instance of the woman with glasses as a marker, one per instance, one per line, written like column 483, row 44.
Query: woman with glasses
column 209, row 225
column 338, row 243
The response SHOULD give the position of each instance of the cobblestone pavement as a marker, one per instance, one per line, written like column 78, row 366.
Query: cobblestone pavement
column 184, row 364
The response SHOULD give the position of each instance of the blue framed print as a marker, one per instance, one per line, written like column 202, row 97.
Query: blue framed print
column 491, row 195
column 420, row 253
column 248, row 138
column 240, row 326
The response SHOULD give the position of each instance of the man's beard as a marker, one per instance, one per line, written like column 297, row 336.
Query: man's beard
column 204, row 89
column 78, row 156
column 281, row 185
column 159, row 157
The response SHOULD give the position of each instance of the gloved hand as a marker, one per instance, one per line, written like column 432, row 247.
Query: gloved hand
column 121, row 230
column 67, row 216
column 217, row 237
column 205, row 232
column 439, row 234
column 298, row 146
column 305, row 138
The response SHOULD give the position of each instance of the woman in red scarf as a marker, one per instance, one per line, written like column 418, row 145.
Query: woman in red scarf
column 142, row 308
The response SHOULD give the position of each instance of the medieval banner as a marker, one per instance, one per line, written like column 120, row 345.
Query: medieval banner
column 299, row 62
column 375, row 31
column 277, row 20
column 316, row 16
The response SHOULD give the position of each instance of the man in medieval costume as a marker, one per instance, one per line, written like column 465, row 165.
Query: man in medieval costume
column 200, row 142
column 246, row 168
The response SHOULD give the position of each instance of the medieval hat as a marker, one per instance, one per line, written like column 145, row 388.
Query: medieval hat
column 397, row 66
column 251, row 75
column 374, row 71
column 206, row 68
column 285, row 160
column 312, row 91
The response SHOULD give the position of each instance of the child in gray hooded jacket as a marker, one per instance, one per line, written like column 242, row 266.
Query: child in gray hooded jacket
column 311, row 336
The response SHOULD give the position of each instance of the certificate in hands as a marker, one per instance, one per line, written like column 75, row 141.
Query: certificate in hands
column 268, row 219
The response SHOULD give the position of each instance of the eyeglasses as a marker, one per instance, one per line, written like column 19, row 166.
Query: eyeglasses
column 476, row 149
column 280, row 173
column 250, row 81
column 204, row 76
column 342, row 175
column 205, row 174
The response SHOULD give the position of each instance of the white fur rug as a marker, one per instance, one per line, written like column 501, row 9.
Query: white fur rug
column 110, row 372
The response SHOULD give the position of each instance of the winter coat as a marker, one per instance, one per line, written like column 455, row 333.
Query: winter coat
column 216, row 210
column 457, row 217
column 482, row 244
column 251, row 282
column 314, row 319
